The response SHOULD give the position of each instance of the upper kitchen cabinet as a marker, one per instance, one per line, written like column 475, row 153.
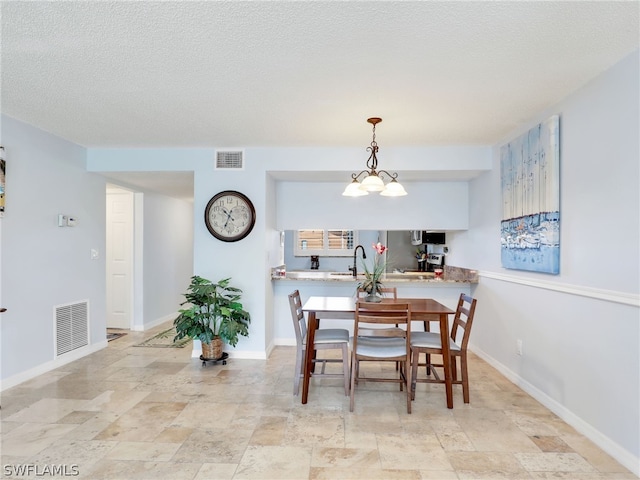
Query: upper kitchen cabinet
column 435, row 205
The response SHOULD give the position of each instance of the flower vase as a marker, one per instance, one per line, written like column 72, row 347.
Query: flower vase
column 373, row 298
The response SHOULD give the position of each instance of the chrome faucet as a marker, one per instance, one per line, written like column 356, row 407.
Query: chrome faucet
column 354, row 269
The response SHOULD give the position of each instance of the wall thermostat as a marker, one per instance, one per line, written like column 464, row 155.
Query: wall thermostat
column 66, row 220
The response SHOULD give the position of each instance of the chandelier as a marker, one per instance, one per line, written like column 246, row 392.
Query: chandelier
column 373, row 181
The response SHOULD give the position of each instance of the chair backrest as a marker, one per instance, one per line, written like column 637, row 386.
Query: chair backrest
column 463, row 319
column 299, row 323
column 390, row 292
column 373, row 319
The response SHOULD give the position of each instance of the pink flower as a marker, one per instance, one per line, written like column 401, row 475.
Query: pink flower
column 379, row 248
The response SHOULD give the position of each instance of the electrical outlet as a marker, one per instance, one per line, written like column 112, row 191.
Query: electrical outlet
column 519, row 347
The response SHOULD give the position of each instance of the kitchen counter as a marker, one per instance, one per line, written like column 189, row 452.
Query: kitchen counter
column 454, row 275
column 342, row 284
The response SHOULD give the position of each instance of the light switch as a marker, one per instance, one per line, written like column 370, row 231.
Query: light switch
column 94, row 254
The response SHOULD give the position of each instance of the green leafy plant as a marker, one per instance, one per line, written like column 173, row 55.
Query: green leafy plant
column 372, row 282
column 215, row 311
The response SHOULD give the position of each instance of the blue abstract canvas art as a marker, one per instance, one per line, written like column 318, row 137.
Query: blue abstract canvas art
column 530, row 182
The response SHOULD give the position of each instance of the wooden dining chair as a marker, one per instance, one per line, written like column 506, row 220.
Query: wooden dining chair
column 324, row 339
column 389, row 292
column 375, row 338
column 430, row 343
column 392, row 292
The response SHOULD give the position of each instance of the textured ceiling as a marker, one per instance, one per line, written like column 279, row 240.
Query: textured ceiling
column 240, row 74
column 300, row 73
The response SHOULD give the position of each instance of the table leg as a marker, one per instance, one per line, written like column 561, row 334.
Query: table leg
column 309, row 353
column 446, row 358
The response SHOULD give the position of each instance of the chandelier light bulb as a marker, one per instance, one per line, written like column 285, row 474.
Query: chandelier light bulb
column 393, row 189
column 372, row 183
column 354, row 190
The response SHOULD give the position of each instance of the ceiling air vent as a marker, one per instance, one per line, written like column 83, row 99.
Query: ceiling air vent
column 230, row 160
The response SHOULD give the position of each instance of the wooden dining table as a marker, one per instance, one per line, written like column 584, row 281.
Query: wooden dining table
column 344, row 308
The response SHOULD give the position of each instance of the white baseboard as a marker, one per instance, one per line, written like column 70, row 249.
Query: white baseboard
column 270, row 349
column 154, row 323
column 622, row 455
column 52, row 365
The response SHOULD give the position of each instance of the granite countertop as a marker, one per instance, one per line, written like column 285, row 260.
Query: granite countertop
column 451, row 275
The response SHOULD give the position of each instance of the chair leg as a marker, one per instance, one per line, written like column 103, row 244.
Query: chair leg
column 354, row 374
column 465, row 378
column 298, row 371
column 397, row 363
column 313, row 365
column 408, row 382
column 414, row 373
column 454, row 368
column 345, row 368
column 427, row 328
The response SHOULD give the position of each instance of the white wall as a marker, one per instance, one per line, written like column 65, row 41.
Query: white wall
column 274, row 255
column 244, row 260
column 432, row 205
column 580, row 329
column 44, row 265
column 167, row 256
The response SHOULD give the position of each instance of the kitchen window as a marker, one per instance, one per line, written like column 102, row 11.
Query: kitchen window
column 326, row 243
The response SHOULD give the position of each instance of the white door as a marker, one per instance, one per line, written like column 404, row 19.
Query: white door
column 119, row 258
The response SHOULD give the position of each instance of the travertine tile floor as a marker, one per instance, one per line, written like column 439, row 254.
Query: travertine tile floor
column 155, row 413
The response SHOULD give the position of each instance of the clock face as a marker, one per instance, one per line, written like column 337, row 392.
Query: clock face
column 229, row 216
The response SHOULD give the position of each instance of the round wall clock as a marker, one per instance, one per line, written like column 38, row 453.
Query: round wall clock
column 230, row 216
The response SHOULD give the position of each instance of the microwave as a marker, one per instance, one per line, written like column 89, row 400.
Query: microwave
column 434, row 238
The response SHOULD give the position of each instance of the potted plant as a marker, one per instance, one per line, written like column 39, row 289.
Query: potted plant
column 215, row 315
column 372, row 282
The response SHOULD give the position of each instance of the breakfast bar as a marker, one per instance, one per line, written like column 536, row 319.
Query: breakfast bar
column 316, row 283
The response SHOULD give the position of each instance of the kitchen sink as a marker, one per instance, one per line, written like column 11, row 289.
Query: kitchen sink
column 410, row 275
